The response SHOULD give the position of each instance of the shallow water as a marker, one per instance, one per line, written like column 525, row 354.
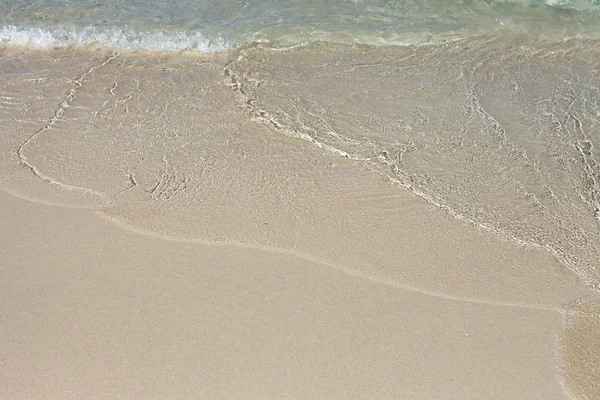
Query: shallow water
column 214, row 26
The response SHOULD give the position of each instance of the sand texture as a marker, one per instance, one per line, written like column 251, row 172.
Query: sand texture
column 244, row 226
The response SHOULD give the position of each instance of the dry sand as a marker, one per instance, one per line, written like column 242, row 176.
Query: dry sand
column 92, row 311
column 158, row 241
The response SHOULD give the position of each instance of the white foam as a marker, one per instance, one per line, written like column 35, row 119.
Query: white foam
column 110, row 37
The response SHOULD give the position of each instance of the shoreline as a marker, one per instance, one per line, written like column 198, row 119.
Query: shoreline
column 189, row 168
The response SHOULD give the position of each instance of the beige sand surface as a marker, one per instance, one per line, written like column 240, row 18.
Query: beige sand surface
column 161, row 240
column 92, row 311
column 580, row 347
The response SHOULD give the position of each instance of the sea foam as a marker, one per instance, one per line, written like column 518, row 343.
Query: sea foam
column 111, row 37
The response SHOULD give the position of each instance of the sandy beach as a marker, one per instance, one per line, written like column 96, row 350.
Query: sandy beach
column 167, row 235
column 91, row 310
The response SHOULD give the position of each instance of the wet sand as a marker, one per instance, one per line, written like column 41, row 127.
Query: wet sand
column 579, row 349
column 180, row 226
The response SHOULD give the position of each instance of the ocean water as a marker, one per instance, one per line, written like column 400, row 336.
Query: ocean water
column 166, row 115
column 216, row 26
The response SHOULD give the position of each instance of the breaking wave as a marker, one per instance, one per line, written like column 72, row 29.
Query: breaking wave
column 114, row 38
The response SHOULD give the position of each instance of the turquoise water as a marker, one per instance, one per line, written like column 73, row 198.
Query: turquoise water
column 220, row 25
